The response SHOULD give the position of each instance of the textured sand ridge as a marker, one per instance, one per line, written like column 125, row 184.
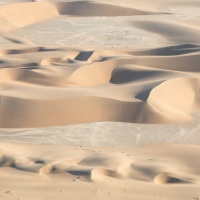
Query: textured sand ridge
column 11, row 19
column 98, row 77
column 99, row 172
column 124, row 86
column 51, row 86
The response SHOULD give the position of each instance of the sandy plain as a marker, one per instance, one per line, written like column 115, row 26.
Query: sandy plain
column 100, row 99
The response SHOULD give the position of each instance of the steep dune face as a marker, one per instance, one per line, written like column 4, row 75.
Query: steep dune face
column 33, row 113
column 48, row 86
column 174, row 32
column 108, row 61
column 14, row 16
column 89, row 8
column 187, row 63
column 19, row 15
column 171, row 93
column 94, row 87
column 171, row 99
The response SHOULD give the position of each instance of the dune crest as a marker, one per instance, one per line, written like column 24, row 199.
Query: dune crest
column 94, row 75
column 100, row 77
column 38, row 11
column 126, row 168
column 94, row 86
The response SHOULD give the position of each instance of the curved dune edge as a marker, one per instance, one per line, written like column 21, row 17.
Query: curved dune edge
column 50, row 86
column 24, row 113
column 42, row 87
column 18, row 113
column 173, row 31
column 35, row 12
column 101, row 163
column 166, row 178
column 170, row 99
column 9, row 14
column 170, row 93
column 95, row 168
column 87, row 8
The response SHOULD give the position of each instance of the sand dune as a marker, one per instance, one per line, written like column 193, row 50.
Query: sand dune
column 187, row 63
column 170, row 50
column 162, row 173
column 87, row 8
column 175, row 32
column 10, row 19
column 99, row 73
column 125, row 86
column 10, row 14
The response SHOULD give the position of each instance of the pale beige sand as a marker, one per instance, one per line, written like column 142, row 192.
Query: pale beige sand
column 66, row 63
column 43, row 172
column 48, row 87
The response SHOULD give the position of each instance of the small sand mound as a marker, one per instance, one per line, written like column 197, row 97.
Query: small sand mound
column 64, row 178
column 45, row 170
column 162, row 178
column 103, row 174
column 26, row 165
column 6, row 161
column 165, row 178
column 55, row 167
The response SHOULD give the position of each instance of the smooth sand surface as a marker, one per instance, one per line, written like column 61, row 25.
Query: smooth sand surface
column 100, row 78
column 43, row 172
column 43, row 87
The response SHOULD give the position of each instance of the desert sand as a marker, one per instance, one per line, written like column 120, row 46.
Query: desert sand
column 46, row 172
column 99, row 99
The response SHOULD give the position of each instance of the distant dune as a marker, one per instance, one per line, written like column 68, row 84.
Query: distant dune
column 151, row 86
column 11, row 19
column 50, row 86
column 99, row 73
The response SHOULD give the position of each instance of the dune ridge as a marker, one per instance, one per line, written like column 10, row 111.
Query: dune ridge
column 175, row 32
column 96, row 86
column 80, row 167
column 10, row 19
column 89, row 8
column 122, row 74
